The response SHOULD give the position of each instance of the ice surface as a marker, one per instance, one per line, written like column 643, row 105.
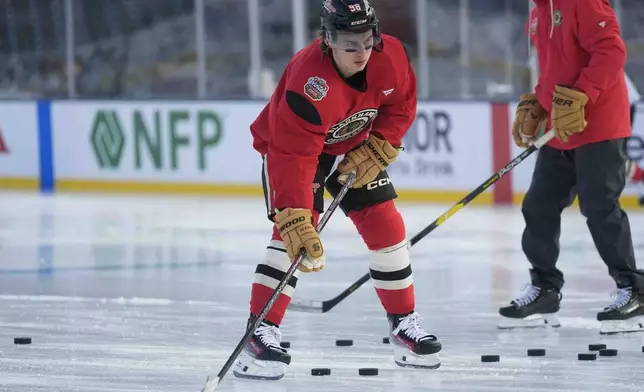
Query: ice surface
column 151, row 294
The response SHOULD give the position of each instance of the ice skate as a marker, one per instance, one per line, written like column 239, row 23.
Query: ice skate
column 263, row 358
column 625, row 314
column 536, row 308
column 413, row 347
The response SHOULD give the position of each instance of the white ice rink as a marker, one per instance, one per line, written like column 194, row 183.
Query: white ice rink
column 128, row 294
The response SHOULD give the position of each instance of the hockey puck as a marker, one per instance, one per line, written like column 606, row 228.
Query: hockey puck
column 385, row 340
column 596, row 347
column 608, row 352
column 587, row 357
column 643, row 349
column 368, row 371
column 321, row 372
column 536, row 352
column 285, row 344
column 22, row 340
column 344, row 342
column 490, row 358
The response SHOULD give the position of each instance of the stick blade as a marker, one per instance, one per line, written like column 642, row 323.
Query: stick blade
column 211, row 384
column 305, row 305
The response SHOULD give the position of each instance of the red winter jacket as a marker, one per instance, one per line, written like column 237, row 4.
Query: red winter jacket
column 579, row 45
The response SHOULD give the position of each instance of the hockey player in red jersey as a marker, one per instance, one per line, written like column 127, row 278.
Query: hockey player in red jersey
column 353, row 92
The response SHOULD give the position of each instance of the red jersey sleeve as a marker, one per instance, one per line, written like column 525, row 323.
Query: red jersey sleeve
column 399, row 111
column 599, row 35
column 297, row 140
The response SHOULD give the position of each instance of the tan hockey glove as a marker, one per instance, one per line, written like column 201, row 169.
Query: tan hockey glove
column 529, row 115
column 369, row 160
column 568, row 114
column 296, row 228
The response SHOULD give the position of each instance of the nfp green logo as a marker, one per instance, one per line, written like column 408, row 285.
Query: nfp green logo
column 157, row 139
column 107, row 139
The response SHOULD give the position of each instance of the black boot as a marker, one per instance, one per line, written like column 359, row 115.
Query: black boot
column 413, row 347
column 625, row 314
column 535, row 308
column 263, row 358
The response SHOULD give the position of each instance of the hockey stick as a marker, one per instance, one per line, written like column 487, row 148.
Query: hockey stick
column 304, row 305
column 211, row 384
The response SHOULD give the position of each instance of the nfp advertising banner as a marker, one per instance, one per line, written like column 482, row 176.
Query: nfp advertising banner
column 449, row 147
column 189, row 142
column 19, row 149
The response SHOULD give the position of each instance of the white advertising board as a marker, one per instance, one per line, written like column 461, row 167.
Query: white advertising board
column 19, row 149
column 449, row 147
column 155, row 141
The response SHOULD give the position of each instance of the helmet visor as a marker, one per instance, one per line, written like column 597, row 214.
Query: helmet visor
column 352, row 42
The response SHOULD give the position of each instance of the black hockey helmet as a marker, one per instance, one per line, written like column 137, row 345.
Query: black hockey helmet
column 355, row 16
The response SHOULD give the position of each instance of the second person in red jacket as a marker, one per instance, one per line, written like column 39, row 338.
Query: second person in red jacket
column 581, row 93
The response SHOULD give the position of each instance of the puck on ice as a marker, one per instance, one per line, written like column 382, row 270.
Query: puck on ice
column 643, row 349
column 536, row 352
column 368, row 371
column 385, row 340
column 321, row 372
column 344, row 342
column 490, row 358
column 596, row 347
column 285, row 344
column 587, row 356
column 22, row 340
column 608, row 352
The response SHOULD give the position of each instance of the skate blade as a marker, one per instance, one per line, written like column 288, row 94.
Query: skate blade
column 411, row 360
column 405, row 358
column 252, row 369
column 532, row 321
column 612, row 327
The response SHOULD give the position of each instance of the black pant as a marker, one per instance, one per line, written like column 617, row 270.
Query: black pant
column 596, row 174
column 380, row 190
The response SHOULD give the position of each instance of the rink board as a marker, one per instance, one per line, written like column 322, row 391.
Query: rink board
column 205, row 147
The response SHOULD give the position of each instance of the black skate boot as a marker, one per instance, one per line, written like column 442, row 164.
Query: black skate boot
column 625, row 314
column 263, row 358
column 535, row 308
column 413, row 347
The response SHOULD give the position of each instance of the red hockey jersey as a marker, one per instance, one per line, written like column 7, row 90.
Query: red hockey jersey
column 579, row 45
column 314, row 110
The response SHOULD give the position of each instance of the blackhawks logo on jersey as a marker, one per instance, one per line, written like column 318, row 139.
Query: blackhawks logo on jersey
column 316, row 88
column 351, row 126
